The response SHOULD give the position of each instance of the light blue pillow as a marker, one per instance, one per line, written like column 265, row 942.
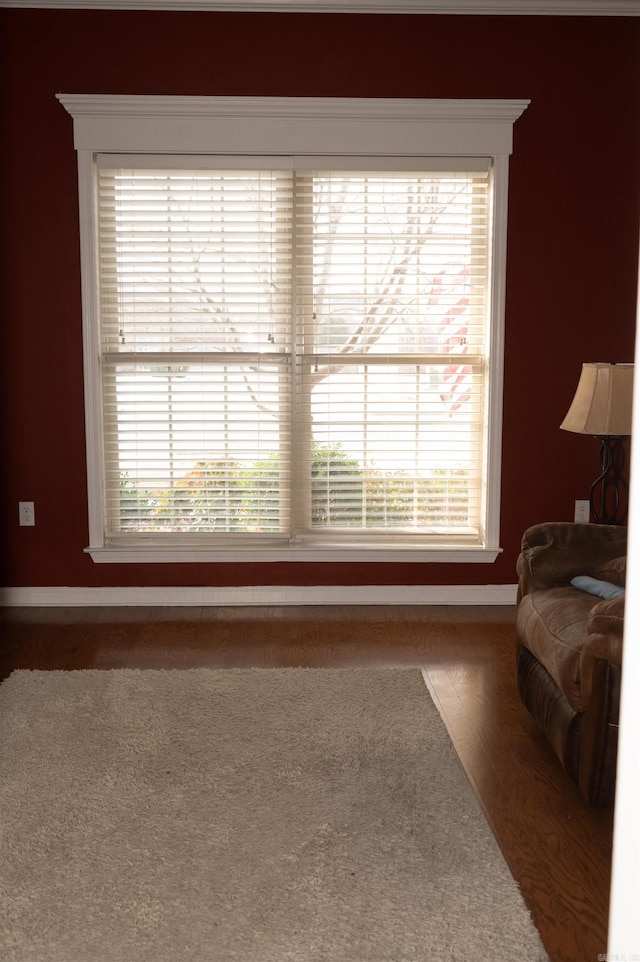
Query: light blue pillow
column 602, row 589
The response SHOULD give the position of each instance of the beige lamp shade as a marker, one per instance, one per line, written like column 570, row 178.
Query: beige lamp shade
column 602, row 404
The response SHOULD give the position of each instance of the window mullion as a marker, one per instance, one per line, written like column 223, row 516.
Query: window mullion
column 301, row 339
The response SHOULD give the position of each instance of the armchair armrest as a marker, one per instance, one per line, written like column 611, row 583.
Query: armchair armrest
column 554, row 552
column 606, row 618
column 604, row 644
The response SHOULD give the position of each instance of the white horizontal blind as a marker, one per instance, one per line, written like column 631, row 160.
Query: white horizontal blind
column 195, row 297
column 392, row 296
column 369, row 290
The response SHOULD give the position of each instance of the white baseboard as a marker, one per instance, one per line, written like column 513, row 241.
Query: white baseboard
column 262, row 595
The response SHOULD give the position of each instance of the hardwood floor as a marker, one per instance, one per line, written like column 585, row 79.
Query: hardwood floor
column 558, row 848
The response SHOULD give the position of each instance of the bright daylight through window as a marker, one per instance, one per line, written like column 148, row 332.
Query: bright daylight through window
column 291, row 353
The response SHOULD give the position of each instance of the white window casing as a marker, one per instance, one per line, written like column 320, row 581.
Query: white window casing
column 127, row 146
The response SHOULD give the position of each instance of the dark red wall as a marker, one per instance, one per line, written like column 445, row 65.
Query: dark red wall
column 572, row 253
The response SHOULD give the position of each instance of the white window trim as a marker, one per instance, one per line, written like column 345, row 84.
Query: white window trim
column 286, row 126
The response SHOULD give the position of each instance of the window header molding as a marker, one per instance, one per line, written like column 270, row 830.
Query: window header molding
column 294, row 125
column 321, row 127
column 576, row 8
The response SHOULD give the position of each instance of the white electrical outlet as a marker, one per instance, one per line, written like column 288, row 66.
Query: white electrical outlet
column 582, row 512
column 27, row 514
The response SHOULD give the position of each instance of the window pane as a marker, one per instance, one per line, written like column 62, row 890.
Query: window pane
column 197, row 448
column 393, row 263
column 195, row 260
column 396, row 446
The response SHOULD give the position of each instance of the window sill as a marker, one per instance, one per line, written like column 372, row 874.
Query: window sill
column 176, row 554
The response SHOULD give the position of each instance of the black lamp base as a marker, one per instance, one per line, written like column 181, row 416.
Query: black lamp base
column 604, row 495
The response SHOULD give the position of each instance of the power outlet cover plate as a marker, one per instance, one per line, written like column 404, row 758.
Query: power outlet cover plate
column 27, row 514
column 582, row 512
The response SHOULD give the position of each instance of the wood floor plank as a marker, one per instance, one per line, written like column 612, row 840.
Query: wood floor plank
column 515, row 784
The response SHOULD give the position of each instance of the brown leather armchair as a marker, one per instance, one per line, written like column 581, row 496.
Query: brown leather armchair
column 569, row 646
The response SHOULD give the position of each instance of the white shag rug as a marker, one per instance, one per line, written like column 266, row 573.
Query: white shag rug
column 253, row 815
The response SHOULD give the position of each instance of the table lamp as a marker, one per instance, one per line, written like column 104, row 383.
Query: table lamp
column 602, row 406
